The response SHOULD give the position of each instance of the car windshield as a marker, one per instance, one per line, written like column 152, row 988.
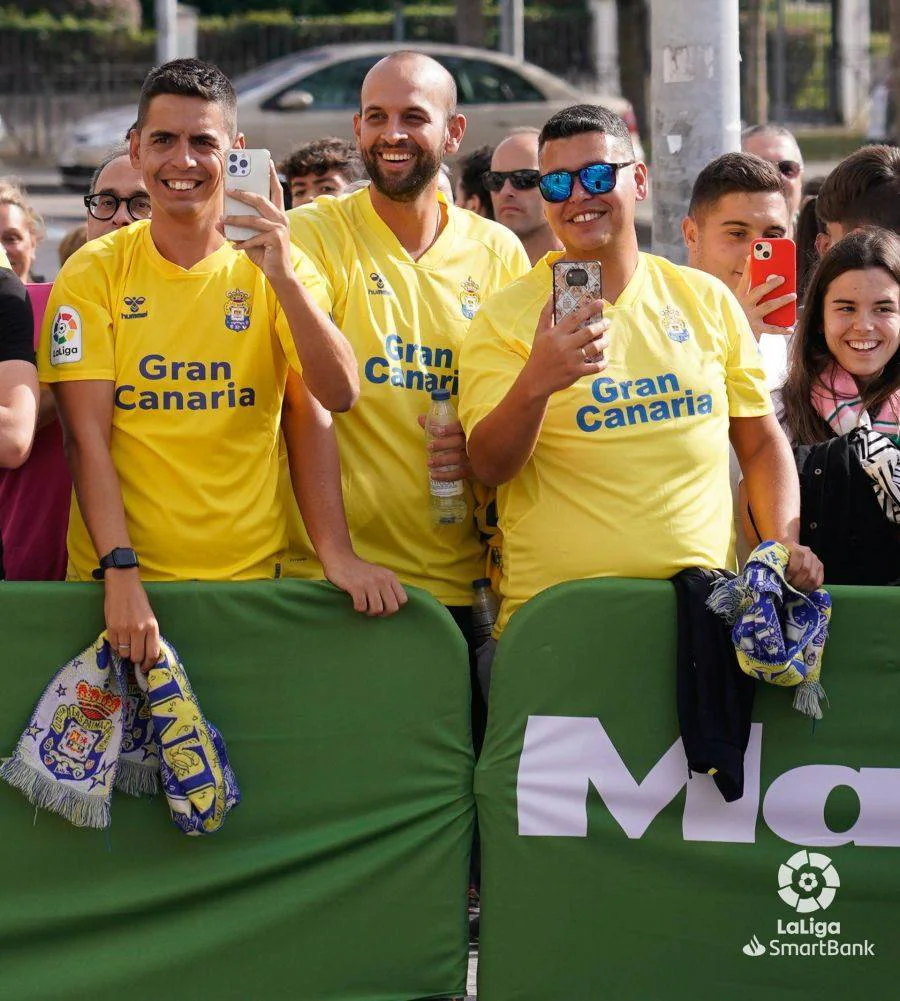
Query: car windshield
column 265, row 74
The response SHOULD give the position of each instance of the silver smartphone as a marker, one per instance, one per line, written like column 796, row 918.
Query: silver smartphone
column 246, row 170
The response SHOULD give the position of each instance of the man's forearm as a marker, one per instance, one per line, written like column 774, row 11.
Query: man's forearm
column 329, row 365
column 773, row 491
column 315, row 467
column 99, row 493
column 501, row 443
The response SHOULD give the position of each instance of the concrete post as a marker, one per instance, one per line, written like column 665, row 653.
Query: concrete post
column 695, row 102
column 512, row 28
column 605, row 30
column 854, row 65
column 166, row 31
column 187, row 18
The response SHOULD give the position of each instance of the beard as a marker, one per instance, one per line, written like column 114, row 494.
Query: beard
column 424, row 167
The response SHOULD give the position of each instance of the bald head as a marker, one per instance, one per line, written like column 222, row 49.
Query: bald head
column 418, row 72
column 407, row 123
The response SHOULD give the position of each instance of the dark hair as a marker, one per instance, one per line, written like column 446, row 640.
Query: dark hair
column 471, row 170
column 863, row 189
column 734, row 173
column 190, row 78
column 809, row 354
column 579, row 119
column 113, row 153
column 805, row 232
column 320, row 156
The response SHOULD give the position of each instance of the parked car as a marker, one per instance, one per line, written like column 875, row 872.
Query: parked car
column 314, row 93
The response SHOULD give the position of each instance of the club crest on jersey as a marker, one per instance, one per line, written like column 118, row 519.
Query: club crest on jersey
column 134, row 303
column 237, row 310
column 469, row 298
column 674, row 325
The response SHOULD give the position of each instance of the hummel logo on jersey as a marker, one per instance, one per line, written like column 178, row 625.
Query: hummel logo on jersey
column 134, row 303
column 380, row 285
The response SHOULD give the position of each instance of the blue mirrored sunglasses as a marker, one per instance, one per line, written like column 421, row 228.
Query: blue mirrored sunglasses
column 596, row 179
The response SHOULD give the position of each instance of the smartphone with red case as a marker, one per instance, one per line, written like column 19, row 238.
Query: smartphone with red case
column 777, row 256
column 575, row 283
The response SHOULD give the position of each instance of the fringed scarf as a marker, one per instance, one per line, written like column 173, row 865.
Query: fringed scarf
column 97, row 727
column 778, row 632
column 836, row 398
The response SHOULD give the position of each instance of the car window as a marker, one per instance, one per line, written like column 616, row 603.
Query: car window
column 335, row 86
column 481, row 82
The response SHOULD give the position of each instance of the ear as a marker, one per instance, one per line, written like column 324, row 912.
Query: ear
column 239, row 141
column 134, row 148
column 641, row 181
column 689, row 232
column 456, row 127
column 357, row 122
column 823, row 244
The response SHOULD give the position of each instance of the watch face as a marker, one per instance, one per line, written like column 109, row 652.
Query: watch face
column 124, row 558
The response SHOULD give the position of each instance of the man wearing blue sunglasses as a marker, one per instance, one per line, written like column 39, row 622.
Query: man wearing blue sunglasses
column 607, row 432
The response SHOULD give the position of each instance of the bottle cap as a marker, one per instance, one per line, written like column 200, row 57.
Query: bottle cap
column 481, row 582
column 439, row 395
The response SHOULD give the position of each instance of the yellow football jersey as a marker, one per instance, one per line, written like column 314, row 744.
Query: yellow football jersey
column 406, row 320
column 629, row 477
column 199, row 359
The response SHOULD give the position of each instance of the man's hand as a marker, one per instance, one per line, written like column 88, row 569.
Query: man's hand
column 270, row 249
column 375, row 590
column 563, row 354
column 804, row 571
column 448, row 459
column 756, row 311
column 130, row 623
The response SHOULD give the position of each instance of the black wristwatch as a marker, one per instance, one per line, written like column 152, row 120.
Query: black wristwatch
column 118, row 559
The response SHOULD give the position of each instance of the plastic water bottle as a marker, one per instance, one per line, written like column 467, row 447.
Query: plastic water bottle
column 485, row 608
column 448, row 501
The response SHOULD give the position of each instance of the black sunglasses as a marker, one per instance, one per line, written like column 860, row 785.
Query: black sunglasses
column 521, row 180
column 596, row 179
column 105, row 206
column 790, row 168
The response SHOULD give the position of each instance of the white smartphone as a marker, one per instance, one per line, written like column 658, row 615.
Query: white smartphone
column 246, row 170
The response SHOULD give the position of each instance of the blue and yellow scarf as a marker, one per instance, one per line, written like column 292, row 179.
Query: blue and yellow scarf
column 778, row 632
column 97, row 727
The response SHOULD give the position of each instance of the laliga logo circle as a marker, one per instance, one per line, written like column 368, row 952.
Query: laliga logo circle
column 808, row 882
column 64, row 327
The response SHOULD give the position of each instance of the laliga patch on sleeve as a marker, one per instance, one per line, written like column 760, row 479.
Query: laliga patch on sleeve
column 65, row 337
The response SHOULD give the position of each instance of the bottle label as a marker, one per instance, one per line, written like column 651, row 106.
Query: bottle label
column 444, row 488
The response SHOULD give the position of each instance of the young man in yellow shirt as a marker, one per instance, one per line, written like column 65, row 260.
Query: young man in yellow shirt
column 404, row 273
column 609, row 442
column 168, row 348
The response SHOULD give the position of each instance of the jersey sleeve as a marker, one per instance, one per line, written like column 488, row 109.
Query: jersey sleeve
column 77, row 339
column 489, row 364
column 516, row 261
column 314, row 284
column 745, row 379
column 305, row 235
column 16, row 322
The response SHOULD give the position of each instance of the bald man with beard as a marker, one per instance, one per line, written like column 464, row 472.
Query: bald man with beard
column 405, row 273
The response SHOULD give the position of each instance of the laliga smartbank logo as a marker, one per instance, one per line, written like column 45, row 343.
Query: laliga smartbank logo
column 808, row 882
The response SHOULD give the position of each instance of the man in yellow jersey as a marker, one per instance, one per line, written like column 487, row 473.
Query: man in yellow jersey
column 169, row 348
column 609, row 442
column 404, row 273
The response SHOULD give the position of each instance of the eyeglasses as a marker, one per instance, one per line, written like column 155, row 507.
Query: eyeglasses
column 596, row 179
column 521, row 180
column 790, row 168
column 105, row 206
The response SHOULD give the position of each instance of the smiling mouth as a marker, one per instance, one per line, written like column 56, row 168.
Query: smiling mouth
column 587, row 217
column 179, row 185
column 395, row 157
column 863, row 347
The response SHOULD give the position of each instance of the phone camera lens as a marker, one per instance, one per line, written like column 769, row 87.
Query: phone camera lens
column 244, row 165
column 766, row 254
column 577, row 277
